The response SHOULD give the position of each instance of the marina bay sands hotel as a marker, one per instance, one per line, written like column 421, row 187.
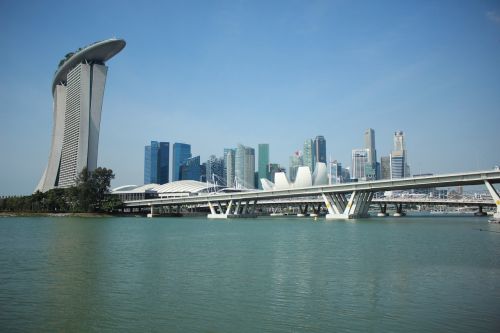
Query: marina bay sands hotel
column 78, row 90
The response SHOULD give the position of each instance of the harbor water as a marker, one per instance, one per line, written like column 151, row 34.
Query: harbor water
column 409, row 274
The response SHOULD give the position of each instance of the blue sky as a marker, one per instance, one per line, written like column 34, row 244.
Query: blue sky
column 218, row 73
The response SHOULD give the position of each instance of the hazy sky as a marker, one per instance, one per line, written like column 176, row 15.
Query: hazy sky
column 218, row 73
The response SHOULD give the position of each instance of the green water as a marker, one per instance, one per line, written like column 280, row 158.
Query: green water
column 412, row 274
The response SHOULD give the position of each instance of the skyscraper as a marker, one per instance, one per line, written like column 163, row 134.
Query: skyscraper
column 296, row 161
column 78, row 91
column 319, row 150
column 398, row 158
column 385, row 167
column 245, row 166
column 335, row 173
column 156, row 162
column 191, row 169
column 370, row 145
column 229, row 157
column 359, row 162
column 215, row 170
column 263, row 162
column 181, row 152
column 308, row 155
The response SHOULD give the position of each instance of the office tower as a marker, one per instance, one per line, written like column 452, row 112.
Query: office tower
column 190, row 169
column 346, row 175
column 385, row 167
column 370, row 145
column 181, row 153
column 335, row 173
column 203, row 172
column 359, row 162
column 156, row 162
column 372, row 168
column 244, row 166
column 263, row 162
column 398, row 158
column 308, row 155
column 295, row 162
column 78, row 91
column 319, row 150
column 215, row 170
column 229, row 157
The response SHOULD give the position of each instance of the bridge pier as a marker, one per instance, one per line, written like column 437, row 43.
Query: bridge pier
column 399, row 210
column 383, row 210
column 340, row 208
column 496, row 199
column 245, row 210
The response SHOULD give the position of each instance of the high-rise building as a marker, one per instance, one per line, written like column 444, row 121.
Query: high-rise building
column 229, row 157
column 181, row 153
column 78, row 91
column 370, row 145
column 156, row 162
column 373, row 167
column 398, row 158
column 190, row 169
column 215, row 170
column 308, row 155
column 295, row 162
column 385, row 167
column 335, row 173
column 203, row 172
column 263, row 162
column 245, row 166
column 359, row 162
column 319, row 150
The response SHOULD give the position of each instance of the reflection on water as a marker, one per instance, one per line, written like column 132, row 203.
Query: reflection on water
column 279, row 275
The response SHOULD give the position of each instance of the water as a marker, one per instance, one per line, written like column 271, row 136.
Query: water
column 414, row 274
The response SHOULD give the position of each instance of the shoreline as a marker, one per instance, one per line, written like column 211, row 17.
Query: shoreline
column 47, row 214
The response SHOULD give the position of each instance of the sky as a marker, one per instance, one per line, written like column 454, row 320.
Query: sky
column 215, row 74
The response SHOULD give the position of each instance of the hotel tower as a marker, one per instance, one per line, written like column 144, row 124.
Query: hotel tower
column 78, row 90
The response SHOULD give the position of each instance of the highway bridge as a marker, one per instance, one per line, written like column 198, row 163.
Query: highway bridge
column 343, row 201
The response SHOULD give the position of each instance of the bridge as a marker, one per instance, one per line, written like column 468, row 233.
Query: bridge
column 343, row 201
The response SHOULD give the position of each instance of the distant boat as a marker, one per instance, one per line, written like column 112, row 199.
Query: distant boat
column 494, row 220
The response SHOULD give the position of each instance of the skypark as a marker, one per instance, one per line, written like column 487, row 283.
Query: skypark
column 343, row 201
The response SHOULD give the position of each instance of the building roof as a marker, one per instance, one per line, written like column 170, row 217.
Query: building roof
column 181, row 186
column 98, row 52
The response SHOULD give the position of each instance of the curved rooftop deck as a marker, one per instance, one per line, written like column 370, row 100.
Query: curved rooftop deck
column 99, row 52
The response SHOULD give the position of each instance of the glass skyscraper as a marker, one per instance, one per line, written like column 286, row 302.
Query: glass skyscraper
column 181, row 153
column 156, row 162
column 296, row 161
column 215, row 170
column 245, row 167
column 263, row 162
column 319, row 150
column 308, row 155
column 359, row 163
column 191, row 169
column 229, row 157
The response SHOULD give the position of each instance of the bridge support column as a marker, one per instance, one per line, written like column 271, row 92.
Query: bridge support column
column 383, row 210
column 399, row 210
column 247, row 210
column 152, row 212
column 339, row 208
column 496, row 198
column 214, row 214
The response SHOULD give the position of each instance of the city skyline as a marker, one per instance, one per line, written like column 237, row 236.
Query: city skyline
column 329, row 68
